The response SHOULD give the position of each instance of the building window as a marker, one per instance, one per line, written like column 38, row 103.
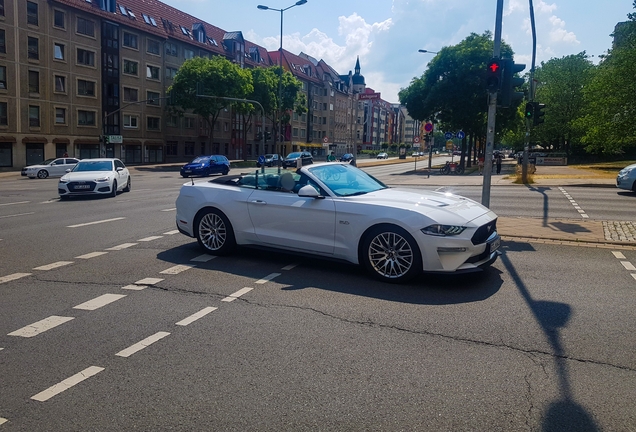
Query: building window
column 59, row 19
column 85, row 118
column 130, row 121
column 303, row 132
column 32, row 13
column 4, row 120
column 295, row 132
column 60, row 84
column 85, row 27
column 3, row 42
column 60, row 115
column 130, row 40
column 153, row 47
column 188, row 54
column 152, row 123
column 153, row 98
column 131, row 94
column 189, row 148
column 171, row 72
column 34, row 82
column 3, row 77
column 58, row 51
column 1, row 7
column 188, row 122
column 152, row 72
column 34, row 116
column 171, row 49
column 171, row 148
column 130, row 67
column 85, row 88
column 33, row 48
column 85, row 57
column 172, row 121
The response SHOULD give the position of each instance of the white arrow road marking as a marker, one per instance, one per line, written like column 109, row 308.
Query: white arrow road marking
column 142, row 344
column 95, row 223
column 91, row 255
column 121, row 246
column 67, row 383
column 13, row 276
column 196, row 316
column 53, row 265
column 100, row 301
column 41, row 326
column 237, row 294
column 267, row 278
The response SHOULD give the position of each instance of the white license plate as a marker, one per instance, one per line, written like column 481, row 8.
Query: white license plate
column 82, row 187
column 494, row 245
column 188, row 171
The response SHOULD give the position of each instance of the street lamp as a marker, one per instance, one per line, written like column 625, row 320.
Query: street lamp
column 280, row 54
column 427, row 51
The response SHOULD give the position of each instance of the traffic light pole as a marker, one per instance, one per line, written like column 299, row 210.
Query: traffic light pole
column 529, row 121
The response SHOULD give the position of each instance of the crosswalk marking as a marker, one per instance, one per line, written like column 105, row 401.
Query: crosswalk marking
column 100, row 301
column 67, row 383
column 196, row 316
column 53, row 265
column 142, row 344
column 41, row 326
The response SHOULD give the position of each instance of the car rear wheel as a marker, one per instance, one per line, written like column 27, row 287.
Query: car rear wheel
column 391, row 254
column 42, row 174
column 128, row 186
column 113, row 193
column 214, row 232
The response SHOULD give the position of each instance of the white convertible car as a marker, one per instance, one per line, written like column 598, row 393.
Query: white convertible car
column 338, row 211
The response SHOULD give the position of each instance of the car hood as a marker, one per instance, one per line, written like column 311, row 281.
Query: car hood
column 452, row 209
column 194, row 165
column 37, row 166
column 628, row 167
column 86, row 175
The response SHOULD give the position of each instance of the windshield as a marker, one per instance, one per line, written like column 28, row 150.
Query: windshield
column 269, row 156
column 93, row 166
column 293, row 155
column 346, row 180
column 200, row 159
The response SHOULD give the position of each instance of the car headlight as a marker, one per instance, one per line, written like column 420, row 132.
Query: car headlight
column 102, row 179
column 443, row 230
column 625, row 171
column 63, row 180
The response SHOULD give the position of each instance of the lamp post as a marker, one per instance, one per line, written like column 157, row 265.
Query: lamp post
column 280, row 58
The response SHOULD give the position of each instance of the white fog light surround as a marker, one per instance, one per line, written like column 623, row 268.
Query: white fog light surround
column 443, row 230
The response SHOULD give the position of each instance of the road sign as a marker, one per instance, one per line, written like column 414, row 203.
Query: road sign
column 416, row 140
column 461, row 135
column 115, row 139
column 428, row 127
column 325, row 139
column 448, row 135
column 449, row 145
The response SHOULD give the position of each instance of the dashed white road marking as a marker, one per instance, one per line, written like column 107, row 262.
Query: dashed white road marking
column 151, row 238
column 171, row 232
column 203, row 312
column 13, row 276
column 135, row 287
column 16, row 215
column 289, row 267
column 628, row 265
column 618, row 255
column 267, row 278
column 67, row 383
column 237, row 294
column 170, row 209
column 634, row 275
column 574, row 203
column 148, row 281
column 100, row 301
column 41, row 326
column 91, row 255
column 3, row 420
column 13, row 203
column 203, row 258
column 142, row 344
column 95, row 222
column 121, row 246
column 177, row 269
column 53, row 265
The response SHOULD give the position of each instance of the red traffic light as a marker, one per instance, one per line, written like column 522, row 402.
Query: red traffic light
column 493, row 66
column 493, row 79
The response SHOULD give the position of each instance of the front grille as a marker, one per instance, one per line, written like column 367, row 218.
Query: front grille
column 81, row 186
column 484, row 232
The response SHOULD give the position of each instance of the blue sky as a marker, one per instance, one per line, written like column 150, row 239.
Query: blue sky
column 387, row 34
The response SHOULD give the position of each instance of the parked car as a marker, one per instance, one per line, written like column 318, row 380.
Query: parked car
column 335, row 210
column 415, row 154
column 206, row 165
column 626, row 178
column 104, row 176
column 292, row 159
column 347, row 157
column 383, row 155
column 49, row 168
column 268, row 160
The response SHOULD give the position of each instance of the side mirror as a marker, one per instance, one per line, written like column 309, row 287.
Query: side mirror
column 68, row 170
column 309, row 191
column 119, row 169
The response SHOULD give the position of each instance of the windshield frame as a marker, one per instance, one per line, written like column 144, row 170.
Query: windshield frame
column 345, row 180
column 93, row 163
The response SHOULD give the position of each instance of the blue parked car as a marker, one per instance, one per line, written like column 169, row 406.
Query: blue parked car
column 206, row 165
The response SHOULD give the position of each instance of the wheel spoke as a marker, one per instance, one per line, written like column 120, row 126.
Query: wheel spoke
column 390, row 255
column 212, row 231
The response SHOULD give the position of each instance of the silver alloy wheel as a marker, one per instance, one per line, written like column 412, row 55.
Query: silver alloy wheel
column 212, row 231
column 42, row 174
column 390, row 255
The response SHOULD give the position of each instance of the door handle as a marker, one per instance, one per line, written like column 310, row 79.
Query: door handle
column 261, row 202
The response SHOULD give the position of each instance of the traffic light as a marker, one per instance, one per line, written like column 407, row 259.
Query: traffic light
column 493, row 75
column 268, row 135
column 537, row 119
column 509, row 83
column 529, row 112
column 106, row 139
column 259, row 136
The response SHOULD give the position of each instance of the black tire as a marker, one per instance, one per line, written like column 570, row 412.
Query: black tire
column 391, row 254
column 226, row 171
column 206, row 173
column 214, row 232
column 128, row 185
column 63, row 197
column 634, row 187
column 42, row 174
column 459, row 170
column 113, row 193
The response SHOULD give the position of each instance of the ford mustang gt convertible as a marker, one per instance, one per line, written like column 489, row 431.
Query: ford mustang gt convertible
column 337, row 211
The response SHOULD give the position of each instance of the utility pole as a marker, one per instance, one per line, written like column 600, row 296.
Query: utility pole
column 529, row 121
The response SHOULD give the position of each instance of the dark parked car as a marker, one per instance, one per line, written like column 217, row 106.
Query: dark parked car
column 292, row 158
column 206, row 165
column 269, row 160
column 347, row 157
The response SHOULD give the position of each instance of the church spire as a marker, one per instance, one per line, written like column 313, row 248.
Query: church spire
column 357, row 69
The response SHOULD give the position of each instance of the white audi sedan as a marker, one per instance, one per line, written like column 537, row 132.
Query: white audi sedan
column 335, row 210
column 50, row 168
column 105, row 176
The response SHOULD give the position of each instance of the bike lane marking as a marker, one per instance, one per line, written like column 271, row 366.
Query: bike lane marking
column 67, row 383
column 40, row 326
column 203, row 312
column 142, row 344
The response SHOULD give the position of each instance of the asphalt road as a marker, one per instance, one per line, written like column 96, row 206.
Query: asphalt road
column 154, row 335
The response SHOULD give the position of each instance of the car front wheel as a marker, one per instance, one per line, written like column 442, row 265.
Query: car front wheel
column 214, row 232
column 113, row 193
column 391, row 254
column 128, row 185
column 42, row 174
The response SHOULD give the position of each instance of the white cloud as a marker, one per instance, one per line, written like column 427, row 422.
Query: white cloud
column 558, row 33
